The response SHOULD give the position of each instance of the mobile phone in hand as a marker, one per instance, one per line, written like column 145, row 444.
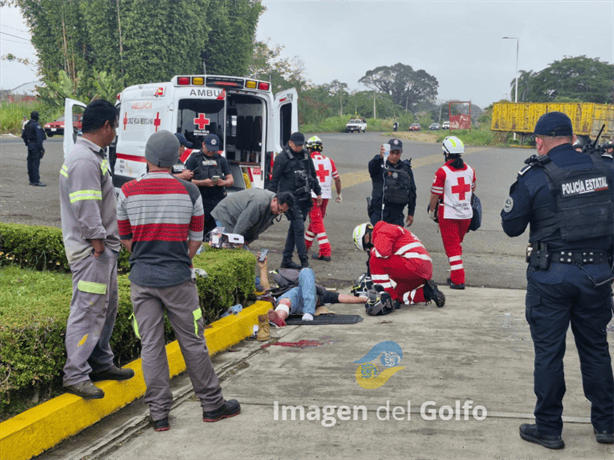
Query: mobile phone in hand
column 262, row 256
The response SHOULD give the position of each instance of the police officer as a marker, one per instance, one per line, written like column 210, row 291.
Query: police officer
column 293, row 171
column 393, row 186
column 568, row 199
column 211, row 175
column 34, row 136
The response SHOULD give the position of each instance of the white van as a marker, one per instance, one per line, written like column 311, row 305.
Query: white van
column 253, row 124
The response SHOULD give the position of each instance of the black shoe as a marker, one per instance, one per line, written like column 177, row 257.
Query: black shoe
column 432, row 293
column 305, row 263
column 40, row 184
column 161, row 425
column 115, row 373
column 603, row 437
column 86, row 390
column 319, row 257
column 455, row 286
column 290, row 264
column 228, row 409
column 530, row 433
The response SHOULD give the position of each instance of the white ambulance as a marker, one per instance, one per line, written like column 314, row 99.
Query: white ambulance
column 253, row 124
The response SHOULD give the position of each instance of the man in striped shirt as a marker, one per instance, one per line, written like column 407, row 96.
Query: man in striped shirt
column 400, row 265
column 91, row 240
column 161, row 222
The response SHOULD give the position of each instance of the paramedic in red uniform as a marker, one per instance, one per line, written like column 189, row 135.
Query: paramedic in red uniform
column 452, row 188
column 399, row 264
column 326, row 172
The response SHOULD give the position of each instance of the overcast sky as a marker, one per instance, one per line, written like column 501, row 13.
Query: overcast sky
column 458, row 42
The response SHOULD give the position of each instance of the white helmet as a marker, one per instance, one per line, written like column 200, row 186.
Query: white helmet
column 359, row 233
column 314, row 143
column 452, row 145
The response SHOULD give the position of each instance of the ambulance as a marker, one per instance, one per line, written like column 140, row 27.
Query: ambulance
column 253, row 124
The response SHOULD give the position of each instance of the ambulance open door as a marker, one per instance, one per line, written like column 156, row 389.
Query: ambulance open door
column 71, row 107
column 286, row 117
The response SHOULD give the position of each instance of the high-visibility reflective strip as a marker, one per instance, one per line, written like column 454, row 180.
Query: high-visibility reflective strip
column 379, row 277
column 135, row 326
column 82, row 341
column 309, row 237
column 91, row 287
column 64, row 171
column 409, row 296
column 377, row 254
column 437, row 190
column 415, row 255
column 384, row 285
column 407, row 247
column 198, row 314
column 456, row 267
column 454, row 258
column 325, row 240
column 86, row 195
column 104, row 166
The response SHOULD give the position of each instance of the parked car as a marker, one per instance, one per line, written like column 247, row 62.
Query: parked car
column 435, row 127
column 445, row 125
column 57, row 126
column 415, row 127
column 356, row 124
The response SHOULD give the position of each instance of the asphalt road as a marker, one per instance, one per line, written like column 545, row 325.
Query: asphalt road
column 490, row 257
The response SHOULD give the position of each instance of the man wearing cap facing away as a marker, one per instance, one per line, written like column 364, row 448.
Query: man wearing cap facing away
column 393, row 186
column 293, row 171
column 184, row 145
column 211, row 175
column 160, row 220
column 567, row 197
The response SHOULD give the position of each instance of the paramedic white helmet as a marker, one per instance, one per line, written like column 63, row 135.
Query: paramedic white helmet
column 452, row 145
column 359, row 235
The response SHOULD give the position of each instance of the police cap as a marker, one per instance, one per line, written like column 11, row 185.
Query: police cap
column 297, row 138
column 395, row 144
column 553, row 124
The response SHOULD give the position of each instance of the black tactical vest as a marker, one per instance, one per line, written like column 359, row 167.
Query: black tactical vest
column 397, row 185
column 583, row 201
column 210, row 166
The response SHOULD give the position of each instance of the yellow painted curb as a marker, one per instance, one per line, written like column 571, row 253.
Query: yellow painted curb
column 44, row 426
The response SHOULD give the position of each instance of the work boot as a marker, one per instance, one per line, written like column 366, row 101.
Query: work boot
column 604, row 437
column 455, row 286
column 161, row 425
column 264, row 331
column 228, row 409
column 530, row 433
column 319, row 257
column 432, row 293
column 290, row 264
column 86, row 390
column 115, row 373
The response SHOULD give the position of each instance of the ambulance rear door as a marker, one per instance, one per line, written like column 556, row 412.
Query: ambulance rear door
column 71, row 107
column 285, row 117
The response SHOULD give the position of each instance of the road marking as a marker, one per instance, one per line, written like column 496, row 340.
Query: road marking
column 360, row 177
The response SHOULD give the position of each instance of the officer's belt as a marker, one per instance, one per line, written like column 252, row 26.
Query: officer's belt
column 579, row 257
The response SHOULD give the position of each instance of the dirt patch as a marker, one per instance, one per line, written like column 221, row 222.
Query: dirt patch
column 416, row 136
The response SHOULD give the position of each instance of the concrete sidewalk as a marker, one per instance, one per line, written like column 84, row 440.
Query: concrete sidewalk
column 477, row 348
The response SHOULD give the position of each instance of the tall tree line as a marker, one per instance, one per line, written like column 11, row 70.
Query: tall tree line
column 141, row 41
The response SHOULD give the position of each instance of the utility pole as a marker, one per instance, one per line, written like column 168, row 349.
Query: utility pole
column 374, row 110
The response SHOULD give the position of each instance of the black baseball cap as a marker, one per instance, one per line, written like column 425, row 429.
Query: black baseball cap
column 298, row 138
column 554, row 124
column 395, row 144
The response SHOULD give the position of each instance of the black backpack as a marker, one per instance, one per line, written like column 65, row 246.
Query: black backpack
column 476, row 220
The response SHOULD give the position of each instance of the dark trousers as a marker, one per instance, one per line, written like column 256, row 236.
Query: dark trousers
column 34, row 161
column 296, row 231
column 556, row 297
column 208, row 206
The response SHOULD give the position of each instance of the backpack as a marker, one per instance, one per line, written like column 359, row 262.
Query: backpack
column 476, row 220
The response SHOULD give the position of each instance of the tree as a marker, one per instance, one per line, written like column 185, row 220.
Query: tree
column 406, row 86
column 577, row 78
column 524, row 85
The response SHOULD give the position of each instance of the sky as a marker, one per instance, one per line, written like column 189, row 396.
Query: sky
column 459, row 42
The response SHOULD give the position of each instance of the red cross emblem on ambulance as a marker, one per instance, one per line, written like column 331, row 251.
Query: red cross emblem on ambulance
column 201, row 121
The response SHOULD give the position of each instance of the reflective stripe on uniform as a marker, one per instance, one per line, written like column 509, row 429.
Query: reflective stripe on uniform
column 86, row 195
column 104, row 166
column 415, row 255
column 135, row 326
column 456, row 267
column 64, row 171
column 407, row 247
column 454, row 258
column 92, row 288
column 198, row 314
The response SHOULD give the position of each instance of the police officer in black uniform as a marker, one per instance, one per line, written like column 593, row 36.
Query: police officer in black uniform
column 393, row 187
column 293, row 171
column 34, row 136
column 567, row 197
column 211, row 175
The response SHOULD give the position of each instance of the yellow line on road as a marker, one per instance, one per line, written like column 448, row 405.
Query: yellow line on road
column 360, row 177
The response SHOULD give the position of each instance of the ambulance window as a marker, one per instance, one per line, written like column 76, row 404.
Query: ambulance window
column 285, row 123
column 199, row 117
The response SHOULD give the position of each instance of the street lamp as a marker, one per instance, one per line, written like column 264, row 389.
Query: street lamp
column 516, row 78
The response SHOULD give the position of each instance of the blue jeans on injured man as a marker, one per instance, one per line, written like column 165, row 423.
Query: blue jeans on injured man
column 303, row 297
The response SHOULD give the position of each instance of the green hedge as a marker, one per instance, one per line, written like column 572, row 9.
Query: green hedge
column 34, row 308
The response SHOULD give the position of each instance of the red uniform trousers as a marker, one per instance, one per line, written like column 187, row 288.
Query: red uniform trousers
column 316, row 228
column 453, row 232
column 401, row 277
